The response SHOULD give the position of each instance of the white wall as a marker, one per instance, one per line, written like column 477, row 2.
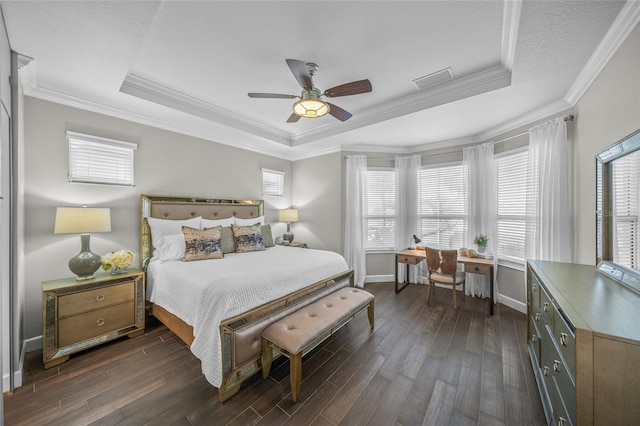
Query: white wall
column 165, row 163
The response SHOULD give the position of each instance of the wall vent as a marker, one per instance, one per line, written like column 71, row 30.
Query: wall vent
column 433, row 79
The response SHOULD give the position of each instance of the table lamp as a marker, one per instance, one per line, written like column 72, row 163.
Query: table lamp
column 288, row 215
column 414, row 239
column 83, row 220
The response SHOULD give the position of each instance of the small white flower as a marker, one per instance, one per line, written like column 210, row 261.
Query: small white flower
column 118, row 259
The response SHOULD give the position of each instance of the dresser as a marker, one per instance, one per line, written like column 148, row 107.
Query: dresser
column 81, row 314
column 584, row 344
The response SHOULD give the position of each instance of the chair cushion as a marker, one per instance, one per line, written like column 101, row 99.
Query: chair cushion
column 448, row 279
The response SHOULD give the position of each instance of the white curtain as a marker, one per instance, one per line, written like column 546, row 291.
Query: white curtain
column 407, row 169
column 549, row 233
column 354, row 251
column 481, row 213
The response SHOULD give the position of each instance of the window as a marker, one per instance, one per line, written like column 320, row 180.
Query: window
column 442, row 205
column 379, row 205
column 93, row 159
column 272, row 182
column 511, row 182
column 626, row 175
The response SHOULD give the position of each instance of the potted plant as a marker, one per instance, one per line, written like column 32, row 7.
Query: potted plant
column 481, row 241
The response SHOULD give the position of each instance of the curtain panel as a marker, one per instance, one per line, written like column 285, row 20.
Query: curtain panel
column 354, row 252
column 481, row 215
column 407, row 169
column 549, row 230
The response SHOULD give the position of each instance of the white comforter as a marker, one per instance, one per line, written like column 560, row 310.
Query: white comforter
column 205, row 292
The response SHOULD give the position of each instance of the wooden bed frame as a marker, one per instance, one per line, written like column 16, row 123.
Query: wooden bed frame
column 241, row 335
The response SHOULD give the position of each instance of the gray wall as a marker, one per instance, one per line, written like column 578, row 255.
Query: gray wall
column 165, row 163
column 608, row 111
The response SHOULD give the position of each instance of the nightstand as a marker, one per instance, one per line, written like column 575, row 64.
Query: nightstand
column 297, row 244
column 77, row 315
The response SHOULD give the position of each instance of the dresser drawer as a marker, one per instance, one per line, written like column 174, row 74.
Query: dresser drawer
column 534, row 291
column 536, row 340
column 80, row 327
column 409, row 260
column 546, row 307
column 553, row 365
column 477, row 269
column 565, row 338
column 75, row 303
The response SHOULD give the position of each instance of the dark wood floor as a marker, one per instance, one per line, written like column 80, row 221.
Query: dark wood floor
column 421, row 365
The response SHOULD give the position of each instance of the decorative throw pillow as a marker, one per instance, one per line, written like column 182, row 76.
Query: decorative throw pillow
column 266, row 235
column 202, row 244
column 247, row 222
column 248, row 238
column 227, row 241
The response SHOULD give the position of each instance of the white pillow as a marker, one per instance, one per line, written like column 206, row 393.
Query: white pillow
column 162, row 227
column 170, row 247
column 210, row 223
column 249, row 222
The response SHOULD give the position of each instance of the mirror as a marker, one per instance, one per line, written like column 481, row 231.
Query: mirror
column 617, row 211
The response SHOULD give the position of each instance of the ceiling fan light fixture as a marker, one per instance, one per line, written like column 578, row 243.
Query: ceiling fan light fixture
column 310, row 105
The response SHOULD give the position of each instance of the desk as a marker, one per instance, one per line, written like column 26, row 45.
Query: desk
column 473, row 265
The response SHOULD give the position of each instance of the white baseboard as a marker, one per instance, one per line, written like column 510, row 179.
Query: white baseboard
column 505, row 300
column 32, row 344
column 28, row 345
column 512, row 303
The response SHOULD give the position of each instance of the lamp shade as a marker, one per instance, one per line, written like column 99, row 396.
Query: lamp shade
column 82, row 220
column 289, row 215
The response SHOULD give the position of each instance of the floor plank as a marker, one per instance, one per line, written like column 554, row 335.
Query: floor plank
column 423, row 364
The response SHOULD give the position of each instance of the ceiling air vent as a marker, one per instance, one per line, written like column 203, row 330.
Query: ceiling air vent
column 433, row 79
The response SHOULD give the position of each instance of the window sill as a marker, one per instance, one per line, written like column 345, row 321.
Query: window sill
column 511, row 263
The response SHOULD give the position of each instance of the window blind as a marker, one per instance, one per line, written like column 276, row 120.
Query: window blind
column 379, row 205
column 511, row 177
column 93, row 159
column 272, row 182
column 626, row 175
column 442, row 205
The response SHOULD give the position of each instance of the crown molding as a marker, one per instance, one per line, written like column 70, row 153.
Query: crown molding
column 26, row 72
column 465, row 87
column 146, row 89
column 524, row 120
column 624, row 24
column 99, row 108
column 510, row 25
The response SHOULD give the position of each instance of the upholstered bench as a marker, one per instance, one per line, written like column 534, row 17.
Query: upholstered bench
column 298, row 333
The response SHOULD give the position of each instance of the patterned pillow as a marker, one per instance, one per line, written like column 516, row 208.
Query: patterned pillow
column 248, row 238
column 202, row 244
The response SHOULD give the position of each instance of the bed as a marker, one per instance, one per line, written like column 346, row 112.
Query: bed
column 219, row 307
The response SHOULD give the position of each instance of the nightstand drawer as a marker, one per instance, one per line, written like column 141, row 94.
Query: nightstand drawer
column 477, row 269
column 95, row 323
column 95, row 299
column 409, row 260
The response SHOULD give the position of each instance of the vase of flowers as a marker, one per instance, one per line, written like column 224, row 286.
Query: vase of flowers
column 481, row 241
column 118, row 262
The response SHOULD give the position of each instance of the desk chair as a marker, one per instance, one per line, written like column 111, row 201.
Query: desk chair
column 442, row 267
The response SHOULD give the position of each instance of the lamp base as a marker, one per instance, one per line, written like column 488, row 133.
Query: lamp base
column 288, row 236
column 86, row 263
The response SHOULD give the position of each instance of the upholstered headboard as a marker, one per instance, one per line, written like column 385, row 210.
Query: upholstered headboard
column 185, row 207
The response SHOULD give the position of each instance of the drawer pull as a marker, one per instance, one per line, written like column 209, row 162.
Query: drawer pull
column 562, row 421
column 545, row 306
column 406, row 259
column 476, row 269
column 545, row 370
column 100, row 297
column 563, row 339
column 556, row 365
column 534, row 288
column 100, row 322
column 537, row 316
column 534, row 338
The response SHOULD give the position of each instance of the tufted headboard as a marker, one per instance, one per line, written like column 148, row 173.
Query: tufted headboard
column 185, row 207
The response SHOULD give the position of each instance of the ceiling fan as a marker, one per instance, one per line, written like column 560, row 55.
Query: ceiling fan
column 310, row 104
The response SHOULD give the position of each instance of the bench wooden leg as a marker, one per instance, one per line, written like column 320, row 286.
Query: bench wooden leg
column 295, row 371
column 267, row 358
column 370, row 310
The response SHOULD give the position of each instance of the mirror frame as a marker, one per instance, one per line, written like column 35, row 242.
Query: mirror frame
column 604, row 225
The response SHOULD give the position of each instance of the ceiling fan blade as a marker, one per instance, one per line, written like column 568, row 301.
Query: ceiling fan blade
column 293, row 118
column 353, row 88
column 271, row 96
column 338, row 112
column 301, row 73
